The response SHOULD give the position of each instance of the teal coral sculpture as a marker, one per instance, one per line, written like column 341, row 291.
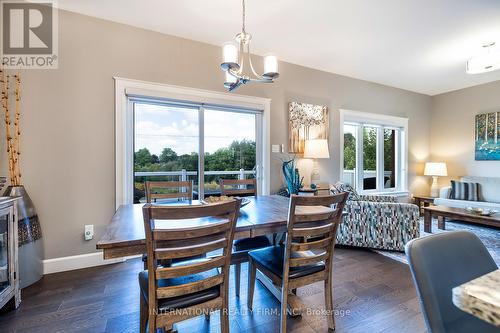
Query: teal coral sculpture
column 292, row 177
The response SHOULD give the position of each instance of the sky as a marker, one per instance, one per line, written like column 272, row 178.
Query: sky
column 158, row 127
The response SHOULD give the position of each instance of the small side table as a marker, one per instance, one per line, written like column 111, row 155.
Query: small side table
column 307, row 191
column 423, row 201
column 319, row 190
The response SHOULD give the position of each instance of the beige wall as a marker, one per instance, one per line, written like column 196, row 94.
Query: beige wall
column 68, row 117
column 452, row 130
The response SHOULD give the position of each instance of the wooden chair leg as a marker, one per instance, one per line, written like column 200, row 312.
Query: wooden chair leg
column 329, row 304
column 284, row 308
column 237, row 277
column 144, row 309
column 152, row 323
column 168, row 329
column 224, row 320
column 252, row 270
column 207, row 316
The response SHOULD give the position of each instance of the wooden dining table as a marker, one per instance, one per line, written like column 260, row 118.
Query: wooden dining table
column 263, row 215
column 124, row 235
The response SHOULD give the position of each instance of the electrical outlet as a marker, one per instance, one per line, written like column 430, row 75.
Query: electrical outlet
column 89, row 232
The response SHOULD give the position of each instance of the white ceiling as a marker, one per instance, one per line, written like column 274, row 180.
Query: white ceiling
column 419, row 45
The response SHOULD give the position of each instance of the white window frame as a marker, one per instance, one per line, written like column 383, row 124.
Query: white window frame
column 381, row 122
column 124, row 127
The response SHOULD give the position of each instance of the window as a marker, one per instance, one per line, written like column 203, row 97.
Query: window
column 168, row 145
column 374, row 152
column 170, row 133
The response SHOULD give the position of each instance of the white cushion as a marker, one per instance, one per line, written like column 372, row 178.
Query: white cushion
column 465, row 203
column 489, row 188
column 444, row 192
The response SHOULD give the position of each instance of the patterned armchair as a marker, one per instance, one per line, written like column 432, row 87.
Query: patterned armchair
column 375, row 221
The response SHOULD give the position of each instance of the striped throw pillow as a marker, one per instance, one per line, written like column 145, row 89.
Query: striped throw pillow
column 464, row 191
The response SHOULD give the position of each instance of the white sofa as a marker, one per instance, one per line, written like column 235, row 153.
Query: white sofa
column 489, row 194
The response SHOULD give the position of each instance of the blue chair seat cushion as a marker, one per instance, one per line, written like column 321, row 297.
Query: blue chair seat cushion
column 183, row 301
column 271, row 258
column 248, row 244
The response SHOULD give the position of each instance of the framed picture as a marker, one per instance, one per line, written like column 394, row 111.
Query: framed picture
column 487, row 137
column 306, row 121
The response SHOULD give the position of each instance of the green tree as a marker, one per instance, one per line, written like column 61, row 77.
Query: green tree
column 142, row 157
column 389, row 142
column 369, row 148
column 188, row 162
column 349, row 151
column 168, row 155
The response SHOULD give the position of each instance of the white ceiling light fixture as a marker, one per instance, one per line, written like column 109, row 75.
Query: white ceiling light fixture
column 487, row 62
column 236, row 55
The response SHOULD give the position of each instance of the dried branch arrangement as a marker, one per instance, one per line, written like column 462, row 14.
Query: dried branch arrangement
column 12, row 141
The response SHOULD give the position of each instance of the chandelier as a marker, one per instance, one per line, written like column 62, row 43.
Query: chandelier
column 237, row 55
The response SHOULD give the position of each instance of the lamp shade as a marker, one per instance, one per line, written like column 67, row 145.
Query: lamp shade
column 317, row 148
column 435, row 169
column 270, row 65
column 230, row 52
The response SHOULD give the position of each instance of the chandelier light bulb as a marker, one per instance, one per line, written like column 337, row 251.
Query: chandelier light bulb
column 270, row 65
column 230, row 53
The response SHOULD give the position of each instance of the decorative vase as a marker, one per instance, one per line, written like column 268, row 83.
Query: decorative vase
column 30, row 237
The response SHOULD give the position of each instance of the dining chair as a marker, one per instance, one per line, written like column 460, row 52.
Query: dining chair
column 438, row 264
column 307, row 254
column 194, row 287
column 241, row 247
column 183, row 190
column 238, row 187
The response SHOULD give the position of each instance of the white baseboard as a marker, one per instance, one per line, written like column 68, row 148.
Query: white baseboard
column 70, row 263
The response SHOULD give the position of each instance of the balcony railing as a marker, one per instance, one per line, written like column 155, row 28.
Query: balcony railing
column 183, row 174
column 209, row 187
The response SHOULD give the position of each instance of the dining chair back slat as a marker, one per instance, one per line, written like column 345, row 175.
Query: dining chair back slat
column 195, row 232
column 155, row 190
column 171, row 272
column 189, row 288
column 310, row 260
column 189, row 251
column 238, row 187
column 312, row 231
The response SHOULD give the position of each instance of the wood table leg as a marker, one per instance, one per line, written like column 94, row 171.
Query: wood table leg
column 427, row 221
column 441, row 222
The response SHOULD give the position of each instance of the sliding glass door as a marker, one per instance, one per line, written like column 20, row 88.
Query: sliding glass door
column 229, row 146
column 193, row 142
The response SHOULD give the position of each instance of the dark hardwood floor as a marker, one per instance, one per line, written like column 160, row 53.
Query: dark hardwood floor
column 372, row 293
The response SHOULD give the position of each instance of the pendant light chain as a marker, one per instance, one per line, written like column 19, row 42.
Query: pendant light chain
column 236, row 56
column 243, row 16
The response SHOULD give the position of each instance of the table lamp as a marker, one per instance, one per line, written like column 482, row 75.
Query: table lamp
column 435, row 169
column 317, row 148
